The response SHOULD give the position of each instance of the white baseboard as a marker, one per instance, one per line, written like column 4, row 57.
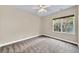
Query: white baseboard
column 63, row 40
column 18, row 40
column 33, row 37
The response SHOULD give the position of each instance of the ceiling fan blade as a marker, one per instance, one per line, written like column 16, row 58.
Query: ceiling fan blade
column 45, row 6
column 41, row 6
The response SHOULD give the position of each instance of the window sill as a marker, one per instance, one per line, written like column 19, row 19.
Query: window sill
column 64, row 33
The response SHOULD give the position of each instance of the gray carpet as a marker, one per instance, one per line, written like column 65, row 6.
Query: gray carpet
column 40, row 45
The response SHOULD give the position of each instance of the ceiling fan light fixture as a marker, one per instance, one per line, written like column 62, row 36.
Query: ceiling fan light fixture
column 42, row 10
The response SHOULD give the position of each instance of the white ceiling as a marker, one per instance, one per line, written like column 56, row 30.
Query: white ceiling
column 50, row 10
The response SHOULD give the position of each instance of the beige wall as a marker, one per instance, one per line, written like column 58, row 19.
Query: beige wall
column 16, row 24
column 48, row 27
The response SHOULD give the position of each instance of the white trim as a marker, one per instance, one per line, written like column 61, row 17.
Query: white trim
column 18, row 40
column 64, row 32
column 63, row 40
column 61, row 21
column 30, row 38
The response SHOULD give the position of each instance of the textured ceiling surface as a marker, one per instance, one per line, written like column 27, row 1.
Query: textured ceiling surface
column 51, row 9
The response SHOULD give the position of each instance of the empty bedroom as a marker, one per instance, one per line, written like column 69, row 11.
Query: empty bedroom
column 39, row 29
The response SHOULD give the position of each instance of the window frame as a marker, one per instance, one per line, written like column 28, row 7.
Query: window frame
column 61, row 18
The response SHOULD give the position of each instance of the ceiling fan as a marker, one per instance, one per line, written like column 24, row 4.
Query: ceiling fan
column 41, row 8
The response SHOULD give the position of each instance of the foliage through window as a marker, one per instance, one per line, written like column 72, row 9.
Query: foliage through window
column 64, row 24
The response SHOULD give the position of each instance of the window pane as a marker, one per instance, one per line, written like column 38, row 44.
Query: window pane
column 57, row 25
column 68, row 25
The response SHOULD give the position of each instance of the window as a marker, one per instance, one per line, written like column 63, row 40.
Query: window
column 57, row 25
column 64, row 24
